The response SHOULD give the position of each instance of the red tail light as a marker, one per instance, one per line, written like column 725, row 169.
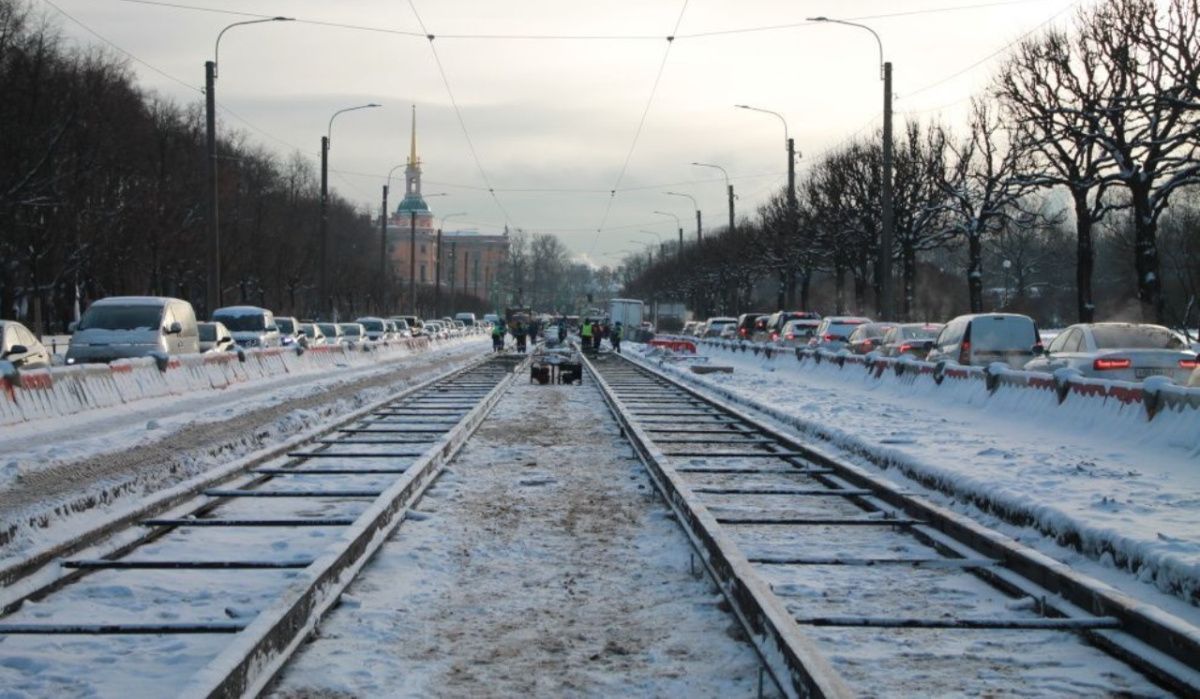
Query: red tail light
column 1188, row 363
column 829, row 338
column 867, row 343
column 790, row 336
column 905, row 348
column 742, row 332
column 964, row 353
column 775, row 335
column 1106, row 364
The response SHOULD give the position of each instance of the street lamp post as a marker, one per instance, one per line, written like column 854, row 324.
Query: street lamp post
column 383, row 241
column 212, row 295
column 323, row 283
column 678, row 223
column 437, row 266
column 412, row 256
column 696, row 206
column 728, row 187
column 887, row 215
column 790, row 226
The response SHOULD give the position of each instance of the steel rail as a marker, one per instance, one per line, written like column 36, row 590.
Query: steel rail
column 1161, row 646
column 40, row 567
column 793, row 661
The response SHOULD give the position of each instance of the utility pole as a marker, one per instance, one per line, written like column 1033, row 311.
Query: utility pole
column 453, row 270
column 412, row 262
column 791, row 220
column 383, row 216
column 679, row 251
column 466, row 270
column 730, row 207
column 323, row 302
column 437, row 276
column 212, row 297
column 699, row 228
column 885, row 244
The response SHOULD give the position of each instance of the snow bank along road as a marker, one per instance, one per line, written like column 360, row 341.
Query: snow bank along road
column 541, row 565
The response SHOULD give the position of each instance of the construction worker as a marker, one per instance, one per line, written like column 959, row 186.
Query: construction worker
column 615, row 337
column 585, row 334
column 498, row 336
column 518, row 331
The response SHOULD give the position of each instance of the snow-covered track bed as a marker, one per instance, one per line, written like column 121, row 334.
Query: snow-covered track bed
column 848, row 585
column 210, row 596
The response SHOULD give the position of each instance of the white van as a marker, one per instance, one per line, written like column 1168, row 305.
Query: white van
column 984, row 338
column 119, row 327
column 251, row 326
column 468, row 319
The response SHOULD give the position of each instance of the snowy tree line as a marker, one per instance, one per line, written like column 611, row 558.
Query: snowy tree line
column 539, row 273
column 1078, row 167
column 102, row 193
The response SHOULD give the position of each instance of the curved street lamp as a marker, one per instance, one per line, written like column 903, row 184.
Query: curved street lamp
column 213, row 291
column 887, row 214
column 728, row 186
column 696, row 206
column 323, row 283
column 792, row 214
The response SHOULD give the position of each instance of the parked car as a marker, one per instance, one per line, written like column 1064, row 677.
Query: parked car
column 834, row 331
column 746, row 324
column 353, row 333
column 690, row 328
column 797, row 333
column 436, row 329
column 21, row 347
column 413, row 323
column 313, row 335
column 333, row 333
column 867, row 337
column 1124, row 351
column 251, row 326
column 133, row 326
column 780, row 318
column 714, row 326
column 911, row 339
column 215, row 337
column 468, row 319
column 376, row 328
column 984, row 338
column 289, row 330
column 460, row 327
column 491, row 318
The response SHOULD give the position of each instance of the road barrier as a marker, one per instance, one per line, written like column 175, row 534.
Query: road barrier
column 1151, row 400
column 35, row 394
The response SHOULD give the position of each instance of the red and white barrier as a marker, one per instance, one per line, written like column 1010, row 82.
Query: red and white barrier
column 44, row 393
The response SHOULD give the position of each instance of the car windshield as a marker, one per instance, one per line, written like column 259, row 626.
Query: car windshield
column 351, row 330
column 843, row 329
column 286, row 325
column 1003, row 333
column 373, row 325
column 921, row 333
column 242, row 322
column 121, row 318
column 208, row 333
column 1135, row 337
column 328, row 328
column 309, row 331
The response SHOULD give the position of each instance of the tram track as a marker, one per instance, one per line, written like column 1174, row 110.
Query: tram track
column 233, row 575
column 826, row 564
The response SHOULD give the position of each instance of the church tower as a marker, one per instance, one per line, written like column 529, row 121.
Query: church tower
column 413, row 201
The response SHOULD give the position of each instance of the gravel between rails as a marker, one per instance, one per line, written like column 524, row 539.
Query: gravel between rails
column 39, row 501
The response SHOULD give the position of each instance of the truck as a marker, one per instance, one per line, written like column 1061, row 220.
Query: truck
column 627, row 312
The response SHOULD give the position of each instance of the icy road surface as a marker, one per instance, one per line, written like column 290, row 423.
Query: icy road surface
column 540, row 564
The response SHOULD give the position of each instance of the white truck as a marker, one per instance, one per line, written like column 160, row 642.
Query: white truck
column 627, row 312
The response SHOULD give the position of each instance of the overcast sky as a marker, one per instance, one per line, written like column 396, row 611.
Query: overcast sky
column 562, row 113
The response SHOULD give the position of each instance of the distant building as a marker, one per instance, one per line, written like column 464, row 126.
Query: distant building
column 471, row 261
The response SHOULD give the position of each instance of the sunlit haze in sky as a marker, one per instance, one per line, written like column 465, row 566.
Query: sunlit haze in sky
column 553, row 120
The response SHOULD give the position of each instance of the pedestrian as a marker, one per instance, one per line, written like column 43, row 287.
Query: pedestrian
column 597, row 335
column 519, row 333
column 616, row 337
column 498, row 336
column 562, row 331
column 585, row 334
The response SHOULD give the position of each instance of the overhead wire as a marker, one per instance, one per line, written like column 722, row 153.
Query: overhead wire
column 637, row 134
column 461, row 121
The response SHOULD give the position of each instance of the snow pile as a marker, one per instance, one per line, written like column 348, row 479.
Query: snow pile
column 68, row 390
